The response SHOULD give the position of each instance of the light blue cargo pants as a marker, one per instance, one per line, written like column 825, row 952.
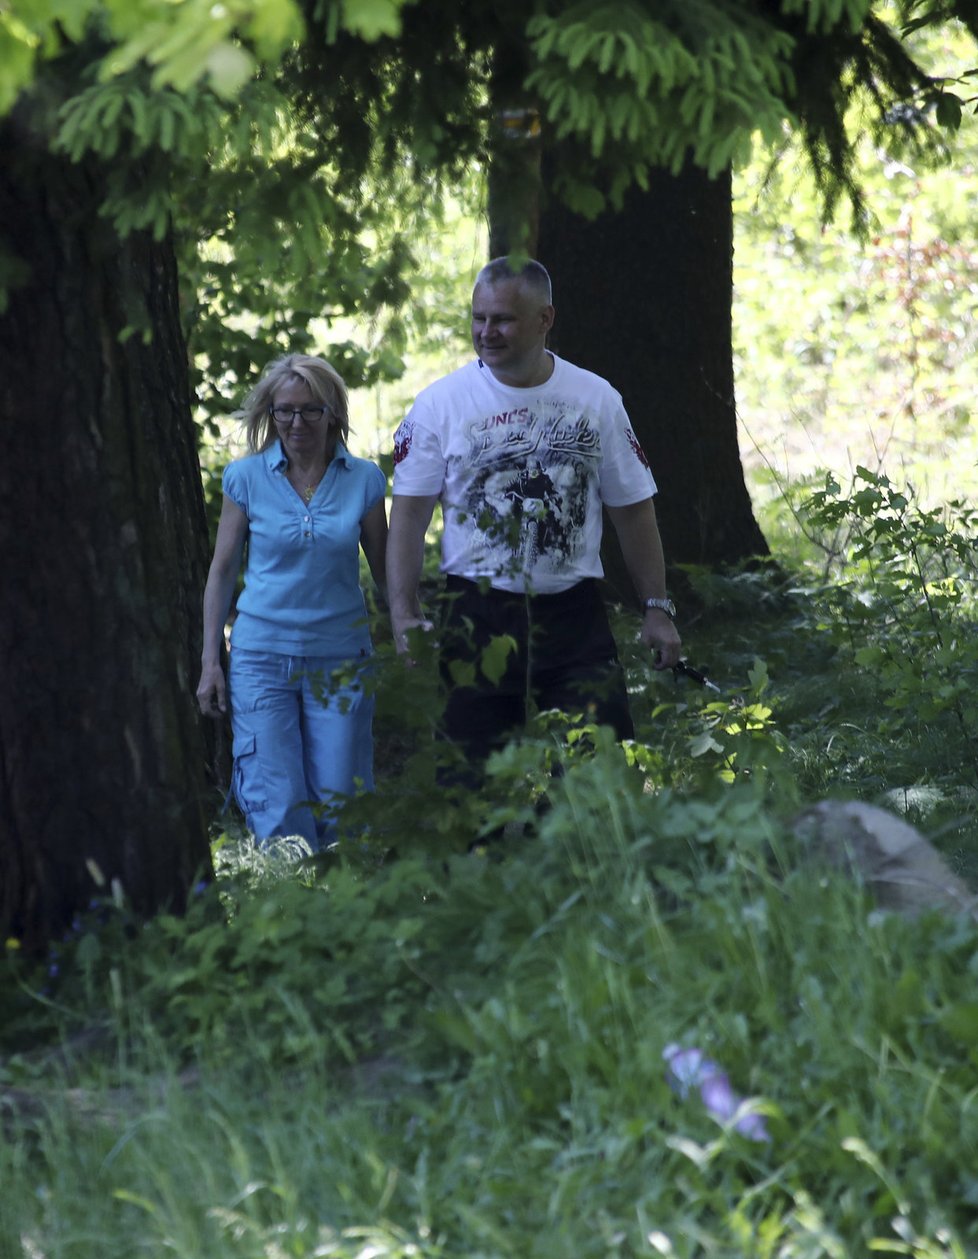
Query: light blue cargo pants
column 302, row 741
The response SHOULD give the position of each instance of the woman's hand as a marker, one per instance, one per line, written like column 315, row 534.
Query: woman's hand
column 212, row 691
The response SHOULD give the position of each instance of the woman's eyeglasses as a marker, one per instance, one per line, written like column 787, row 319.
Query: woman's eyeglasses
column 286, row 415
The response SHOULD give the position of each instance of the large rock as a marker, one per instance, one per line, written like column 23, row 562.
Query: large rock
column 901, row 868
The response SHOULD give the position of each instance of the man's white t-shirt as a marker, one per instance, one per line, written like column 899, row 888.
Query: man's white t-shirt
column 521, row 473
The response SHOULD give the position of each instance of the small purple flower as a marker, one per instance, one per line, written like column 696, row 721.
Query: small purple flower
column 687, row 1069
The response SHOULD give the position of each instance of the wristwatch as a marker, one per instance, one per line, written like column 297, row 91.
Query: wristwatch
column 664, row 605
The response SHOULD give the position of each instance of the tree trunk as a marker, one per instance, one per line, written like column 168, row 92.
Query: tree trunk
column 514, row 154
column 643, row 298
column 103, row 761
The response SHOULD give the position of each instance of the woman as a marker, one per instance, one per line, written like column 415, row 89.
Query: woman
column 302, row 737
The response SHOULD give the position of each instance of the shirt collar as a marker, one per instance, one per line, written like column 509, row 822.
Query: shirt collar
column 277, row 460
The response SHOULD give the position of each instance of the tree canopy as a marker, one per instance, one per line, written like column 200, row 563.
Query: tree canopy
column 270, row 129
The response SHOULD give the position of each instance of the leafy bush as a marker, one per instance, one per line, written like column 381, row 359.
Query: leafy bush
column 905, row 600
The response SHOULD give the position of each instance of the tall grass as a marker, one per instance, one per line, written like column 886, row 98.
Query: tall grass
column 429, row 1045
column 462, row 1055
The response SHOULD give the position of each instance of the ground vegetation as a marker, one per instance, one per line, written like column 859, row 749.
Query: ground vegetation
column 417, row 1047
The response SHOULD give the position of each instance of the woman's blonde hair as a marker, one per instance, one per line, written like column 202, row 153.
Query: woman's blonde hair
column 325, row 384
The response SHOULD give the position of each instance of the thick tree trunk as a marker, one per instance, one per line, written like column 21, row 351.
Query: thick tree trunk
column 643, row 297
column 515, row 154
column 102, row 757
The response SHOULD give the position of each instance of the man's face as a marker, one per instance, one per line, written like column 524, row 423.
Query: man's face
column 509, row 330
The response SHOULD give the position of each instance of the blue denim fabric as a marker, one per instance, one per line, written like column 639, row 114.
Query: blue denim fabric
column 298, row 741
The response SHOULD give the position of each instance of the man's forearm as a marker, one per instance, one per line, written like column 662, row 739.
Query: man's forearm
column 405, row 560
column 405, row 557
column 641, row 548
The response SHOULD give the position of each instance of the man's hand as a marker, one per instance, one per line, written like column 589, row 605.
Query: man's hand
column 641, row 548
column 410, row 517
column 660, row 635
column 402, row 626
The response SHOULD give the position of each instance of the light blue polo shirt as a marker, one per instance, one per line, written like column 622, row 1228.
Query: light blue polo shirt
column 302, row 593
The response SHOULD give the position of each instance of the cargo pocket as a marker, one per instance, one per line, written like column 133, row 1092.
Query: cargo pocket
column 247, row 780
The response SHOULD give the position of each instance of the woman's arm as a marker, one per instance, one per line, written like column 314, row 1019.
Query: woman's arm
column 373, row 539
column 232, row 530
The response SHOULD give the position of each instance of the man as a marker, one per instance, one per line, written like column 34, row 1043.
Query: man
column 523, row 449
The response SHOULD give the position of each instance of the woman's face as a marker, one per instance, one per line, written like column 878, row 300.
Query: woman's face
column 304, row 437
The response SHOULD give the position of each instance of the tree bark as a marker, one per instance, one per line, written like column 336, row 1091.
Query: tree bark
column 514, row 153
column 644, row 298
column 103, row 760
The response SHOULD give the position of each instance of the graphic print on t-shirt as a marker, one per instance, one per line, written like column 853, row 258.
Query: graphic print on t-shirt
column 530, row 475
column 402, row 441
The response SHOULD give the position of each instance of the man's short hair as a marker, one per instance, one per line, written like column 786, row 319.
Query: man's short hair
column 532, row 273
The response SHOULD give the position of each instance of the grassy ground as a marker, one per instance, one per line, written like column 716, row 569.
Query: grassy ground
column 461, row 1054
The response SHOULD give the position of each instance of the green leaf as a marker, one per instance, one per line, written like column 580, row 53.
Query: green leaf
column 758, row 675
column 961, row 1022
column 949, row 111
column 229, row 68
column 907, row 999
column 703, row 743
column 494, row 657
column 463, row 672
column 588, row 202
column 17, row 51
column 370, row 19
column 274, row 26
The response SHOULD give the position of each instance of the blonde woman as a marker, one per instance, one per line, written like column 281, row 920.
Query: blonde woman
column 305, row 506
